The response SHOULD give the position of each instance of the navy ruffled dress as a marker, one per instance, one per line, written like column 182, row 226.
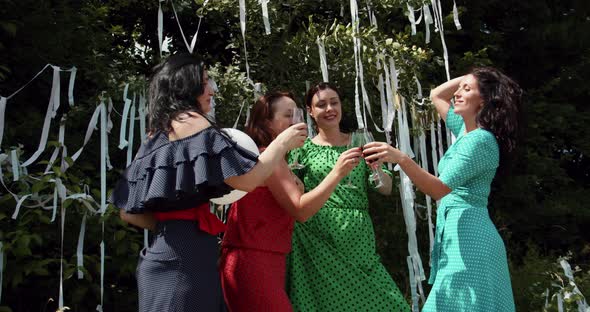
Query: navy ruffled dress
column 178, row 272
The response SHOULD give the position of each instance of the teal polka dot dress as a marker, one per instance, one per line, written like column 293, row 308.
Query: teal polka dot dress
column 469, row 266
column 333, row 265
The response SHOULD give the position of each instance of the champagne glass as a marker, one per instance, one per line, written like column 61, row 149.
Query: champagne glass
column 375, row 178
column 357, row 139
column 295, row 119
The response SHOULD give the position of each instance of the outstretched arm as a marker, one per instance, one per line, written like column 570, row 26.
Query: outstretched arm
column 303, row 206
column 426, row 182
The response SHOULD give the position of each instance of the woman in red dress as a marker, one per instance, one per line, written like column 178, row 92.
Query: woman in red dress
column 259, row 226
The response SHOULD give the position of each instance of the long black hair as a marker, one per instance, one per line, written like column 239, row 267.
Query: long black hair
column 174, row 87
column 501, row 112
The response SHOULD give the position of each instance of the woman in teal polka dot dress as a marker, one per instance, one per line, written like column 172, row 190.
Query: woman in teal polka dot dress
column 333, row 265
column 469, row 268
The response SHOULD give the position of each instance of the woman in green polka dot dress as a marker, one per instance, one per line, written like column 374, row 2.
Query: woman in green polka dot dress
column 333, row 265
column 469, row 268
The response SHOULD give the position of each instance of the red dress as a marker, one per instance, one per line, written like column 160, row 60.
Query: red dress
column 254, row 249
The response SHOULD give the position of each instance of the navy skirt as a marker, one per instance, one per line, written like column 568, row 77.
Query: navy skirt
column 178, row 272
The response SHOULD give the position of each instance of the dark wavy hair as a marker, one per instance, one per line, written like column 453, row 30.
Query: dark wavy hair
column 345, row 124
column 501, row 112
column 262, row 112
column 174, row 87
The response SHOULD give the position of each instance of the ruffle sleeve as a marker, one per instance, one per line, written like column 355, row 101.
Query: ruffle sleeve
column 175, row 175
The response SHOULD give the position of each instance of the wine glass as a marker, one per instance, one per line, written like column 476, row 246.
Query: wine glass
column 295, row 119
column 357, row 139
column 375, row 177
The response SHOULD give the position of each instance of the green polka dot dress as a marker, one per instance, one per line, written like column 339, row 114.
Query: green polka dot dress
column 469, row 267
column 333, row 265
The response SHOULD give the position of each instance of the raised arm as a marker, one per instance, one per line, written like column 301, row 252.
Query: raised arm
column 289, row 139
column 303, row 206
column 441, row 96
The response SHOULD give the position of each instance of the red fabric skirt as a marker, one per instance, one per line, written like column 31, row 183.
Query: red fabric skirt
column 254, row 280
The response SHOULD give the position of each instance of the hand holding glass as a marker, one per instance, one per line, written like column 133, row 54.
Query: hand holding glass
column 295, row 119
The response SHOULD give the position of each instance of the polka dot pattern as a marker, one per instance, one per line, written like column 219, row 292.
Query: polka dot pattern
column 469, row 267
column 334, row 265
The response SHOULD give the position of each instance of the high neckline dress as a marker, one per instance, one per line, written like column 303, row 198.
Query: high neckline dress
column 333, row 265
column 469, row 269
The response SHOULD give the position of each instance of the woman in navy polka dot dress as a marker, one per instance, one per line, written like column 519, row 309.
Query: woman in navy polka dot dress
column 186, row 161
column 469, row 268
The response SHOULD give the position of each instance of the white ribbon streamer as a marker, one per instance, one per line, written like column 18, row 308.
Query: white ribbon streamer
column 456, row 16
column 323, row 59
column 122, row 141
column 424, row 165
column 61, row 191
column 18, row 204
column 131, row 132
column 412, row 18
column 265, row 19
column 160, row 26
column 3, row 101
column 1, row 267
column 51, row 110
column 14, row 164
column 71, row 86
column 80, row 248
column 89, row 130
column 427, row 22
column 243, row 29
column 103, row 153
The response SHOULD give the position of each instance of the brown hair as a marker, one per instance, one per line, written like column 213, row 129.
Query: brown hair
column 262, row 111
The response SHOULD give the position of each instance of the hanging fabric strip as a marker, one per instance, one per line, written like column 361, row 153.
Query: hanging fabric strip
column 433, row 148
column 131, row 132
column 54, row 207
column 122, row 141
column 415, row 306
column 3, row 101
column 194, row 41
column 440, row 142
column 62, row 130
column 265, row 19
column 424, row 165
column 427, row 21
column 51, row 110
column 99, row 307
column 355, row 27
column 103, row 156
column 436, row 8
column 160, row 26
column 559, row 302
column 142, row 116
column 323, row 59
column 59, row 186
column 14, row 164
column 89, row 130
column 80, row 248
column 215, row 89
column 188, row 47
column 382, row 100
column 18, row 204
column 1, row 267
column 71, row 86
column 243, row 29
column 456, row 16
column 391, row 91
column 366, row 102
column 412, row 18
